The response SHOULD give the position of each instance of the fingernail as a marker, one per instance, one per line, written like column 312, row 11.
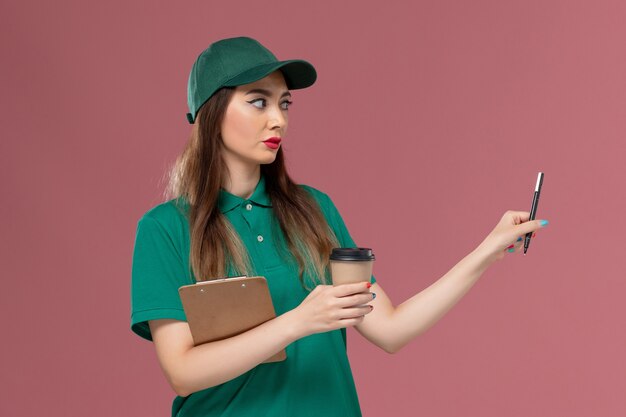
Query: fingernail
column 371, row 306
column 519, row 239
column 534, row 234
column 543, row 223
column 373, row 295
column 369, row 285
column 511, row 250
column 510, row 247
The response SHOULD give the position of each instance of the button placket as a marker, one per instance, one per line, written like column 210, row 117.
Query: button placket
column 245, row 215
column 249, row 217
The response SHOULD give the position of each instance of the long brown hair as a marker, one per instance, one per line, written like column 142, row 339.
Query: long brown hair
column 216, row 248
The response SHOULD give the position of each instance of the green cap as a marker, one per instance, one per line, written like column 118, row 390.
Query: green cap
column 236, row 61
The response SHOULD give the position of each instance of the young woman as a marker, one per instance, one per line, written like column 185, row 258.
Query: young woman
column 236, row 211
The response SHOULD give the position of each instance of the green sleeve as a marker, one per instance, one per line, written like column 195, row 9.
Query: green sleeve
column 334, row 219
column 157, row 272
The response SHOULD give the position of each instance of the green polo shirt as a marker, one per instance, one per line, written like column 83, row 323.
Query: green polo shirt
column 314, row 380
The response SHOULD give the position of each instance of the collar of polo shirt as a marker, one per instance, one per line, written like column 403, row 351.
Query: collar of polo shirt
column 228, row 201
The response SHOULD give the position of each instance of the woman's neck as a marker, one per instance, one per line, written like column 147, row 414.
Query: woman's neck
column 242, row 181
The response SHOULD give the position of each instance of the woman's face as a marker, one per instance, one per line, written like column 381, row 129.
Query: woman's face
column 255, row 113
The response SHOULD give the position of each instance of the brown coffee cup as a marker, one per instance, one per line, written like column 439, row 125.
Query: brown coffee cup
column 348, row 265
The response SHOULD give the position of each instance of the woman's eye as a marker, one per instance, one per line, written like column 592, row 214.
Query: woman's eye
column 285, row 104
column 259, row 103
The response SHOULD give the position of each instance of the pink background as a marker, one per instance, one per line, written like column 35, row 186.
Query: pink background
column 428, row 121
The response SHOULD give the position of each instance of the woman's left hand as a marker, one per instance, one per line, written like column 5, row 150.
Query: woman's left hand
column 508, row 235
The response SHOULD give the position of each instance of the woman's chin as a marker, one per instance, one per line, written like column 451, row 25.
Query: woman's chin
column 268, row 159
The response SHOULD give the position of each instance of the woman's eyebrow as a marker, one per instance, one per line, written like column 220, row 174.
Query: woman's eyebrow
column 266, row 92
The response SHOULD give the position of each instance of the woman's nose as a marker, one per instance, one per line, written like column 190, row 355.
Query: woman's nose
column 277, row 118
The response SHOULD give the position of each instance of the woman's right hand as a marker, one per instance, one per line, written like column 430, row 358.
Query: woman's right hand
column 329, row 308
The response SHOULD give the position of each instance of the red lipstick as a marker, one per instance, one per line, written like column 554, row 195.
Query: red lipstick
column 272, row 143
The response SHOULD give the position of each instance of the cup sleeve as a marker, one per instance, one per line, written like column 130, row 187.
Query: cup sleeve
column 157, row 272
